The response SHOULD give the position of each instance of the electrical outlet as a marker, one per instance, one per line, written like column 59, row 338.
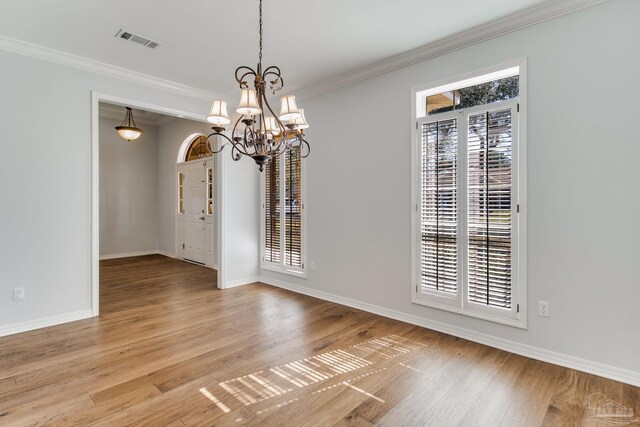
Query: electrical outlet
column 18, row 294
column 312, row 265
column 543, row 308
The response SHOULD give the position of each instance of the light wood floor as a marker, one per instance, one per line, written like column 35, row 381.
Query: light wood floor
column 169, row 349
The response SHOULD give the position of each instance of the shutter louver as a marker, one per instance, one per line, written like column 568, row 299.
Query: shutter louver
column 272, row 211
column 439, row 204
column 489, row 208
column 293, row 209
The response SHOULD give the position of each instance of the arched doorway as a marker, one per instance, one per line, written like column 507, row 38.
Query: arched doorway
column 196, row 202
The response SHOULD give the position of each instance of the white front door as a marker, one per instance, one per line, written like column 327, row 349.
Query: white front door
column 195, row 200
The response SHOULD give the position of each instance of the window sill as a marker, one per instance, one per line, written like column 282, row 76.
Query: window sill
column 521, row 322
column 278, row 269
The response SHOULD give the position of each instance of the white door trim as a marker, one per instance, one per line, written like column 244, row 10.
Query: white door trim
column 96, row 98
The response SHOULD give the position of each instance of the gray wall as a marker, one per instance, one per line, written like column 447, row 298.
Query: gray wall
column 138, row 187
column 45, row 198
column 128, row 190
column 583, row 177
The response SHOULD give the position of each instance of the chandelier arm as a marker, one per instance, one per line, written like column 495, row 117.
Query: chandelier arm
column 236, row 154
column 235, row 125
column 296, row 142
column 249, row 141
column 302, row 149
column 262, row 99
column 283, row 129
column 284, row 141
column 247, row 71
column 278, row 82
column 210, row 144
column 276, row 147
column 236, row 146
column 277, row 152
column 274, row 72
column 273, row 69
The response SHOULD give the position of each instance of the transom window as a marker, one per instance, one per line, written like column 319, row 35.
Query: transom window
column 469, row 244
column 198, row 149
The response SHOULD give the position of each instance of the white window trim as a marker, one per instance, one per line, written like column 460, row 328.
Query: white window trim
column 519, row 242
column 280, row 267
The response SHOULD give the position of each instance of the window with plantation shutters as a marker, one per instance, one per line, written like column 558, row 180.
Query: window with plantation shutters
column 272, row 211
column 468, row 243
column 293, row 210
column 489, row 208
column 283, row 214
column 439, row 205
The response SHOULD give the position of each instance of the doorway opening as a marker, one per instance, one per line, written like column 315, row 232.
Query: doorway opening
column 137, row 194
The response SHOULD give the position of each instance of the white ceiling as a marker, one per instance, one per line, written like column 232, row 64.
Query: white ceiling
column 203, row 41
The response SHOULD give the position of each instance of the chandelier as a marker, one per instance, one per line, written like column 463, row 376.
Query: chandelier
column 258, row 133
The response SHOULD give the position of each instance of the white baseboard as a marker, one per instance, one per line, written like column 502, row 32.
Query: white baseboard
column 129, row 254
column 572, row 362
column 167, row 254
column 240, row 282
column 30, row 325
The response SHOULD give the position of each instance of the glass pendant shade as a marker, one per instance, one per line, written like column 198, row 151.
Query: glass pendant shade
column 128, row 133
column 301, row 122
column 271, row 125
column 218, row 114
column 288, row 109
column 128, row 129
column 248, row 104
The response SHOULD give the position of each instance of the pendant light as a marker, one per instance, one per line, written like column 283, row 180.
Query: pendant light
column 128, row 130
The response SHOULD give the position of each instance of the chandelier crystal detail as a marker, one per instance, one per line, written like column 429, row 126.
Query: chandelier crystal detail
column 258, row 133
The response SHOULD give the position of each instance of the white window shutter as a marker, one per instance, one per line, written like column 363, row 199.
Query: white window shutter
column 438, row 207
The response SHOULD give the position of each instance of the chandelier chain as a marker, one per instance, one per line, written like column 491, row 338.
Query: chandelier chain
column 260, row 55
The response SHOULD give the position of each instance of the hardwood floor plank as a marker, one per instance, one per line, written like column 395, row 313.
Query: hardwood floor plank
column 351, row 421
column 170, row 349
column 534, row 388
column 494, row 402
column 456, row 402
column 410, row 377
column 210, row 417
column 7, row 385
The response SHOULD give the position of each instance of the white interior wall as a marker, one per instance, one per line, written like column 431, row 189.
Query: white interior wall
column 128, row 191
column 242, row 230
column 583, row 198
column 47, row 200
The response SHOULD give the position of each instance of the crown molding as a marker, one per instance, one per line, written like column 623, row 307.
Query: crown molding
column 78, row 62
column 114, row 112
column 118, row 117
column 531, row 16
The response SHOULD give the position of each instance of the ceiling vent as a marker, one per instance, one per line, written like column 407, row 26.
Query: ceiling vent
column 125, row 35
